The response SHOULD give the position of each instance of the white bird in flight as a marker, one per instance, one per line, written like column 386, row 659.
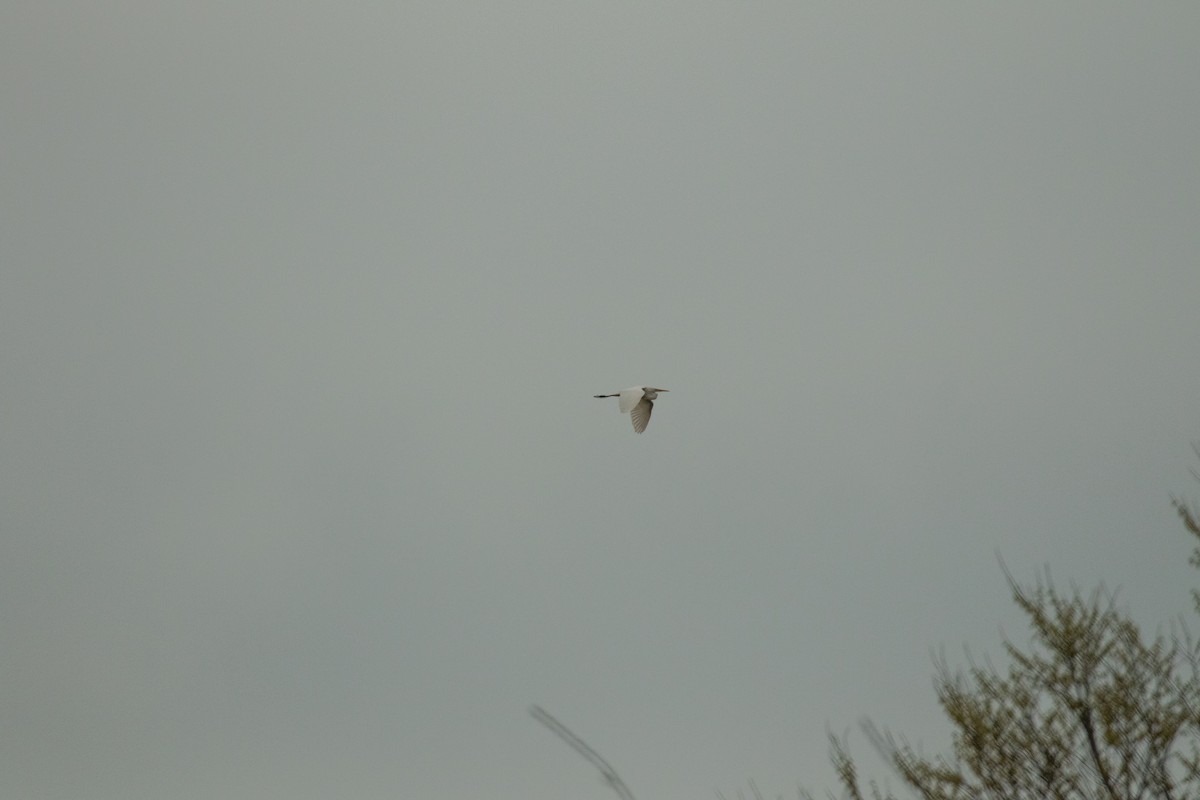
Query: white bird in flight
column 638, row 402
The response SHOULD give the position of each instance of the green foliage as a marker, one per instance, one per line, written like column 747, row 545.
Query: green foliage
column 1091, row 709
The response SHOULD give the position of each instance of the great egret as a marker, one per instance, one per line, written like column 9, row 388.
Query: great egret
column 638, row 402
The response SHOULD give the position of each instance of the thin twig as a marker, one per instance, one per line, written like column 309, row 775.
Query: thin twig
column 580, row 746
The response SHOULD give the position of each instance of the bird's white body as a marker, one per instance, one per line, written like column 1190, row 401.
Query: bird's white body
column 637, row 402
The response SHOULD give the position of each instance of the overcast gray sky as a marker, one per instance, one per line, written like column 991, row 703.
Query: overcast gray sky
column 302, row 308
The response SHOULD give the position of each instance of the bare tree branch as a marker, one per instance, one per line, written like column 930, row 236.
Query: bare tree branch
column 580, row 746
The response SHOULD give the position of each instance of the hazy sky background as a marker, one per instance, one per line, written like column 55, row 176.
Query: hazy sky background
column 302, row 307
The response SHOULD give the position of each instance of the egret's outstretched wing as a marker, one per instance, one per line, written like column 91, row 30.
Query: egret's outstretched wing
column 630, row 398
column 641, row 415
